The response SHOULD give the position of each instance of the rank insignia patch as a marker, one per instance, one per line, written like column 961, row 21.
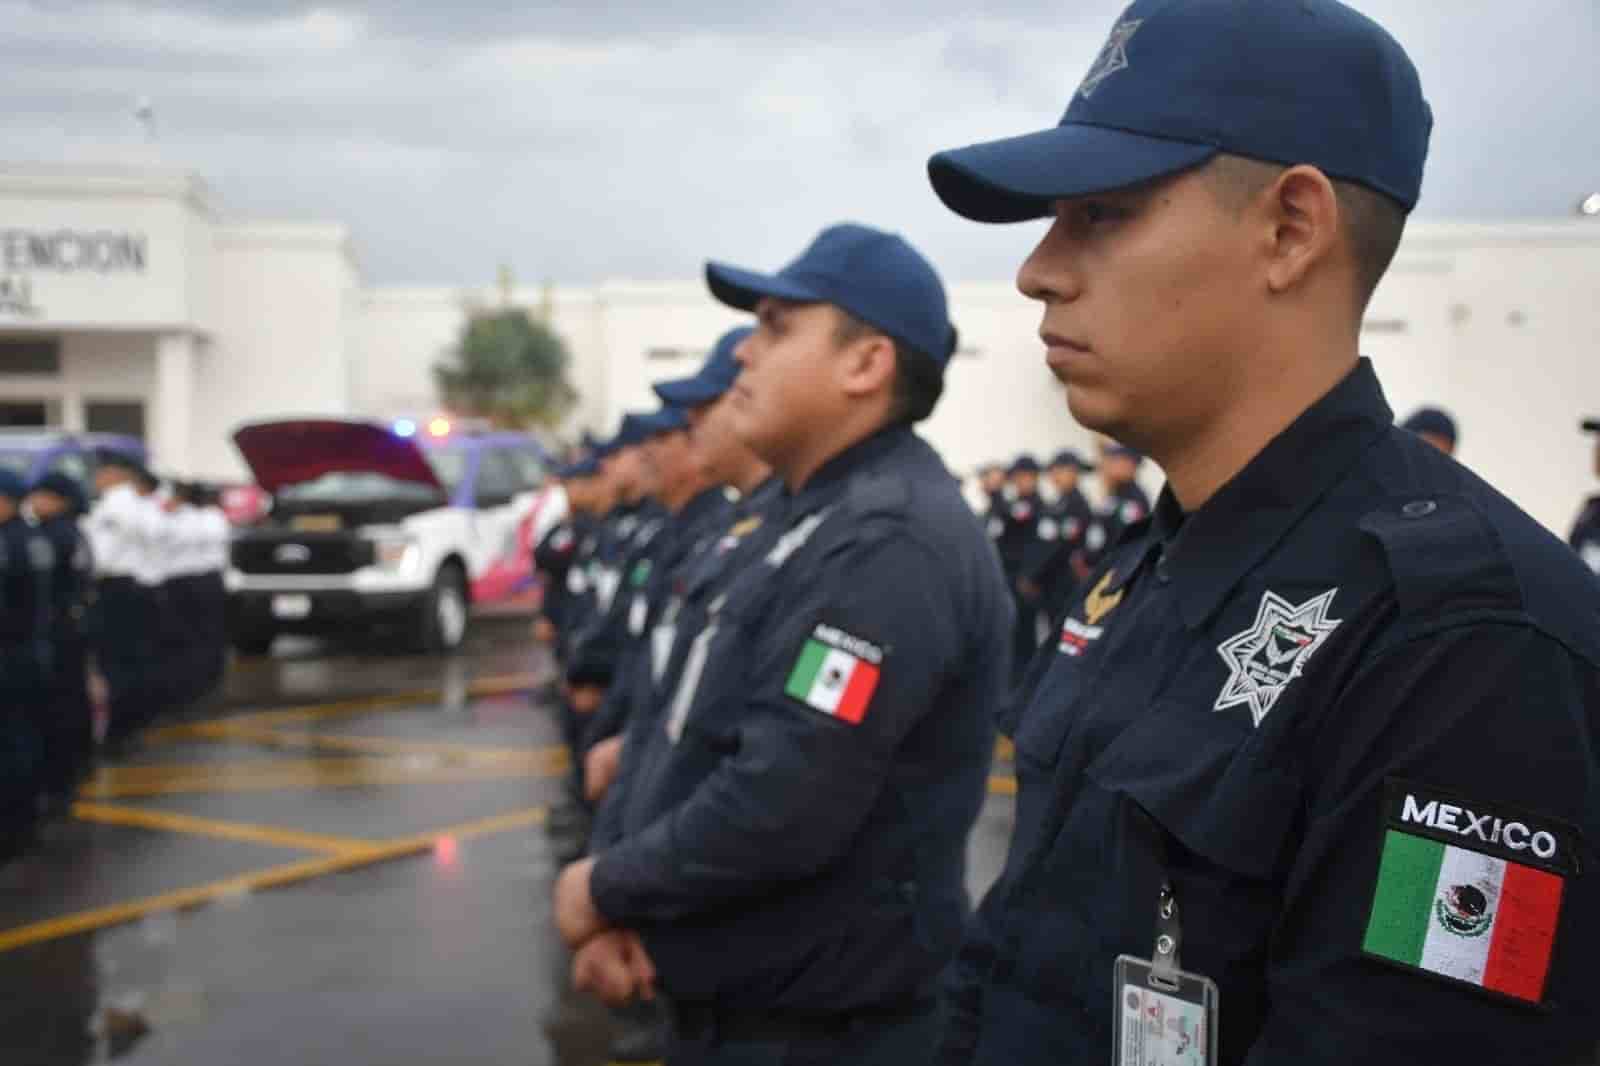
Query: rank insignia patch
column 1469, row 893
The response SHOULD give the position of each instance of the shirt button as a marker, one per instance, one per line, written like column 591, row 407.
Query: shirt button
column 1419, row 509
column 1163, row 574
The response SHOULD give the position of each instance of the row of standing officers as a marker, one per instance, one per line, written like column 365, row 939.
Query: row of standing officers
column 1305, row 771
column 123, row 599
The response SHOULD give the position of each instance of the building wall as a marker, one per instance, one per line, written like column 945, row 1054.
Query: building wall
column 1498, row 323
column 287, row 309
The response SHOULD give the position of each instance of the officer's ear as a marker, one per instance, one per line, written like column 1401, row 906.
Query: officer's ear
column 1303, row 218
column 866, row 364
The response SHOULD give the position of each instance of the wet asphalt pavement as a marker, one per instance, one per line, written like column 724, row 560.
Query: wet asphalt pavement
column 341, row 860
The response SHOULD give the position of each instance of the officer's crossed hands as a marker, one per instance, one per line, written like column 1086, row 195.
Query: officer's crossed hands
column 600, row 768
column 610, row 964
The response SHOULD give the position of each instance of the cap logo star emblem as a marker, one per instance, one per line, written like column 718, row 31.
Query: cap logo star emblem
column 1112, row 58
column 1265, row 658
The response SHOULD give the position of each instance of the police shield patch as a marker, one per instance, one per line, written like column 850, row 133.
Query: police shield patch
column 1265, row 658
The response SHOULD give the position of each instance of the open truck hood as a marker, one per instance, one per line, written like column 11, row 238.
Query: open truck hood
column 290, row 452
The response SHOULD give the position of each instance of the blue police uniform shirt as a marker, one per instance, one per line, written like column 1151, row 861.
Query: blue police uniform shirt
column 27, row 565
column 684, row 618
column 1059, row 536
column 655, row 570
column 1353, row 647
column 803, row 847
column 622, row 567
column 1585, row 538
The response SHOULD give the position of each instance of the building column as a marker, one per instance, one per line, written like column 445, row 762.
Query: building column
column 173, row 418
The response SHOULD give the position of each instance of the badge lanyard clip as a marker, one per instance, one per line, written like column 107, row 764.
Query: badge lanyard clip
column 1165, row 962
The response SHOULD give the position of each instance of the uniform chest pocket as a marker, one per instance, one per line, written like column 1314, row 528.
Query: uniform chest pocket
column 714, row 680
column 1207, row 784
column 1045, row 714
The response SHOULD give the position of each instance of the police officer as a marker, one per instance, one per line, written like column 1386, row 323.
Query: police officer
column 1585, row 536
column 1122, row 503
column 125, row 618
column 557, row 551
column 1318, row 730
column 992, row 501
column 1047, row 574
column 821, row 769
column 67, row 723
column 1435, row 426
column 694, row 508
column 1019, row 529
column 26, row 563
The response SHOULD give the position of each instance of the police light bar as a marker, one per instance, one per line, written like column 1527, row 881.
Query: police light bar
column 405, row 427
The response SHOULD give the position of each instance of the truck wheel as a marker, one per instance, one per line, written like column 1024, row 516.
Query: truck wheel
column 443, row 624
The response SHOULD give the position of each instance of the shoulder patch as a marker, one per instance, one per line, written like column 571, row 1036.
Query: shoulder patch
column 1440, row 550
column 1468, row 891
column 836, row 673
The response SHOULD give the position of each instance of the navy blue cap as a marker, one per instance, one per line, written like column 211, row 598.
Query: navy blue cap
column 1025, row 464
column 1180, row 81
column 63, row 485
column 663, row 421
column 12, row 485
column 115, row 457
column 876, row 276
column 713, row 379
column 1432, row 420
column 1068, row 457
column 580, row 469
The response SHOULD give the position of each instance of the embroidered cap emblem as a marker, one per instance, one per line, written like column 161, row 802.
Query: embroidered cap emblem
column 1265, row 658
column 1112, row 58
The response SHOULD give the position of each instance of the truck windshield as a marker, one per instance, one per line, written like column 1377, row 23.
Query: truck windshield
column 352, row 485
column 19, row 463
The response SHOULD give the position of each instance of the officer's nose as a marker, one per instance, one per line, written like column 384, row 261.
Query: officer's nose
column 1049, row 274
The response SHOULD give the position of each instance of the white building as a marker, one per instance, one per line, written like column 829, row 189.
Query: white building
column 128, row 303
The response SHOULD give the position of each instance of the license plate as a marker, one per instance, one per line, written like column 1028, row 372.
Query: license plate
column 291, row 608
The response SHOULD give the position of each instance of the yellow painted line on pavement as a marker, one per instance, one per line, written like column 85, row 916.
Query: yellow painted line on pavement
column 379, row 772
column 369, row 854
column 188, row 898
column 142, row 818
column 487, row 686
column 283, row 738
column 1002, row 785
column 500, row 823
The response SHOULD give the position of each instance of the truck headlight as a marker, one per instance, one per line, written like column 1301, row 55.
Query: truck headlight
column 395, row 554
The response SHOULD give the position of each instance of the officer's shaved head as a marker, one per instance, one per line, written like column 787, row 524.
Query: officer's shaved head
column 1372, row 223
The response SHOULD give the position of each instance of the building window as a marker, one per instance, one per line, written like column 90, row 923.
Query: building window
column 37, row 356
column 114, row 416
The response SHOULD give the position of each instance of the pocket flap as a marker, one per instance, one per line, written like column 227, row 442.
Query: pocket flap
column 1207, row 785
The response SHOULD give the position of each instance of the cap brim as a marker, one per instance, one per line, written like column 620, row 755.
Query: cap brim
column 687, row 392
column 1019, row 178
column 743, row 289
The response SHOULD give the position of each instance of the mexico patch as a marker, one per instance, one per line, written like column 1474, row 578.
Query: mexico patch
column 1469, row 892
column 836, row 673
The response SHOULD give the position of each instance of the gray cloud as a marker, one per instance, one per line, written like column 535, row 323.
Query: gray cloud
column 633, row 139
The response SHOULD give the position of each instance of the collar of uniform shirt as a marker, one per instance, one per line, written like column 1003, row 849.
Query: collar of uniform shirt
column 1209, row 551
column 841, row 466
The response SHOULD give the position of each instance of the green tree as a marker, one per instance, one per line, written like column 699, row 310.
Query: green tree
column 507, row 368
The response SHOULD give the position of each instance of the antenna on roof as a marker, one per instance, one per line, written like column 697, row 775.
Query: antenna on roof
column 144, row 112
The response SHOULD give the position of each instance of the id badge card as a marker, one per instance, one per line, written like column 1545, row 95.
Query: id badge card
column 1161, row 1022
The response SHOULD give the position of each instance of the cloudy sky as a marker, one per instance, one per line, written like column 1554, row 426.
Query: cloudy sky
column 633, row 138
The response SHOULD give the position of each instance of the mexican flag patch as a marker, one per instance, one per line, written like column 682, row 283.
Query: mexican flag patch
column 836, row 673
column 1469, row 893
